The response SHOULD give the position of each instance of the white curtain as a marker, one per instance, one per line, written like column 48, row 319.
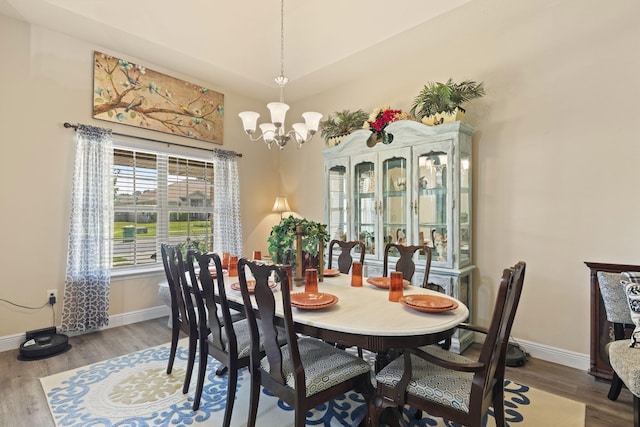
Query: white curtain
column 86, row 291
column 227, row 227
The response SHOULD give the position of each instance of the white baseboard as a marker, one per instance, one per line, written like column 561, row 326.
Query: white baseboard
column 556, row 355
column 551, row 354
column 12, row 342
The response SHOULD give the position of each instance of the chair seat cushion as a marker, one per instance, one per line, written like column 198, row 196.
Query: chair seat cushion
column 243, row 337
column 324, row 365
column 432, row 382
column 625, row 361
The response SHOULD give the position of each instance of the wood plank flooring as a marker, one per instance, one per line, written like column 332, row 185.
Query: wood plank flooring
column 22, row 401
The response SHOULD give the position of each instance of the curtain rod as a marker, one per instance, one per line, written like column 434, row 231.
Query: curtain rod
column 212, row 150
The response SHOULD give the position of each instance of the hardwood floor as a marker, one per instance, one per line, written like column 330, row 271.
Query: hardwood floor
column 22, row 401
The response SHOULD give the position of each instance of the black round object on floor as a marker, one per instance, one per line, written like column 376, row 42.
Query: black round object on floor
column 43, row 346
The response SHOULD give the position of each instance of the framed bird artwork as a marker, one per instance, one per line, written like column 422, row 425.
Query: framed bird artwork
column 135, row 95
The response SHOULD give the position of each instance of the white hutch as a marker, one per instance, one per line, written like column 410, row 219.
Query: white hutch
column 416, row 189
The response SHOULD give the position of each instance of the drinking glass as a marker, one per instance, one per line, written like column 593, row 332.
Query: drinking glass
column 225, row 260
column 311, row 280
column 395, row 287
column 257, row 255
column 233, row 266
column 356, row 274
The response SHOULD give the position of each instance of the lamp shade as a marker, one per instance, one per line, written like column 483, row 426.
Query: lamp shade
column 268, row 132
column 278, row 112
column 281, row 205
column 312, row 120
column 249, row 120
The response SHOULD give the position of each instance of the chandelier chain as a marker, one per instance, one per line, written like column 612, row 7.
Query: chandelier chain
column 282, row 80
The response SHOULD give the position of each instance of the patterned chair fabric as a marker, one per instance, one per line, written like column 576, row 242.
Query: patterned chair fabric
column 324, row 365
column 625, row 362
column 304, row 373
column 614, row 298
column 617, row 310
column 433, row 382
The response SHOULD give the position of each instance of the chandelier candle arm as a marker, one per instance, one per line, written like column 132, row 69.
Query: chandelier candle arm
column 275, row 131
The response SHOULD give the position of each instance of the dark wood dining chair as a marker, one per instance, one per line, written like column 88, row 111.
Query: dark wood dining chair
column 183, row 315
column 451, row 386
column 218, row 335
column 306, row 371
column 405, row 262
column 345, row 259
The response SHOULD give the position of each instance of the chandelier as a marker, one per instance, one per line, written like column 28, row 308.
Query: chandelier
column 275, row 131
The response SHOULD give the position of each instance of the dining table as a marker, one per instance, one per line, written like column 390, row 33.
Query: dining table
column 364, row 317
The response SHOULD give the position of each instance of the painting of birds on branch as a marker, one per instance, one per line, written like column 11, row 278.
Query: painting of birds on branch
column 132, row 94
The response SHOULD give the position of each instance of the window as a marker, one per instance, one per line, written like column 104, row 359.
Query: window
column 159, row 198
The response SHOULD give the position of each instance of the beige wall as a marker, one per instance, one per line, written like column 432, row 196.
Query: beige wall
column 555, row 148
column 46, row 80
column 555, row 144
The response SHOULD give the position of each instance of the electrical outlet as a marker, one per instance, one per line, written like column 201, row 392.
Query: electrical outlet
column 52, row 293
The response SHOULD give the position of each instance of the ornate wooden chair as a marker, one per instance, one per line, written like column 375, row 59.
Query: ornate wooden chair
column 219, row 336
column 449, row 385
column 182, row 310
column 305, row 372
column 345, row 259
column 405, row 263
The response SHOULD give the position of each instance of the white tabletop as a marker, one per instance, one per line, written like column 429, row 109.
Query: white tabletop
column 366, row 310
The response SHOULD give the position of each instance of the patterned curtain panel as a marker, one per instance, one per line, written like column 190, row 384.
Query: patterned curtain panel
column 86, row 292
column 227, row 227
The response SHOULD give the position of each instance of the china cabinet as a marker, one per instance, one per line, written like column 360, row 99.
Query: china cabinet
column 415, row 190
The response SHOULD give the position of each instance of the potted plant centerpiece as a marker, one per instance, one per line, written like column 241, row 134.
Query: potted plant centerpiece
column 439, row 103
column 284, row 237
column 340, row 124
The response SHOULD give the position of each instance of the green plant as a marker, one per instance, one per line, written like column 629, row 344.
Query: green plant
column 444, row 97
column 197, row 244
column 342, row 123
column 283, row 237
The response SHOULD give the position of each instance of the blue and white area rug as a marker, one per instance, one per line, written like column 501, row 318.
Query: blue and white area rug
column 134, row 390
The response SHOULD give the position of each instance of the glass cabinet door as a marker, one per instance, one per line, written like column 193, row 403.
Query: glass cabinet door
column 338, row 222
column 365, row 208
column 394, row 201
column 394, row 198
column 432, row 204
column 465, row 206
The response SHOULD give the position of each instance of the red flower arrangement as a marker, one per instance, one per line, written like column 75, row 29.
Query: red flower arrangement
column 378, row 120
column 382, row 116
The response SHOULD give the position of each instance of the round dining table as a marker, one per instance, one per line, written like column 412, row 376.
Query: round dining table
column 364, row 317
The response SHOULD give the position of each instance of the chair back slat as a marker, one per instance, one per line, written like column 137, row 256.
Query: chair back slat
column 405, row 263
column 205, row 290
column 266, row 308
column 345, row 259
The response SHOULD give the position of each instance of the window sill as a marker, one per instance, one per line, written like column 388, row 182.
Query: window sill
column 132, row 273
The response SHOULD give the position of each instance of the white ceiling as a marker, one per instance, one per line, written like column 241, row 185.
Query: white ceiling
column 235, row 45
